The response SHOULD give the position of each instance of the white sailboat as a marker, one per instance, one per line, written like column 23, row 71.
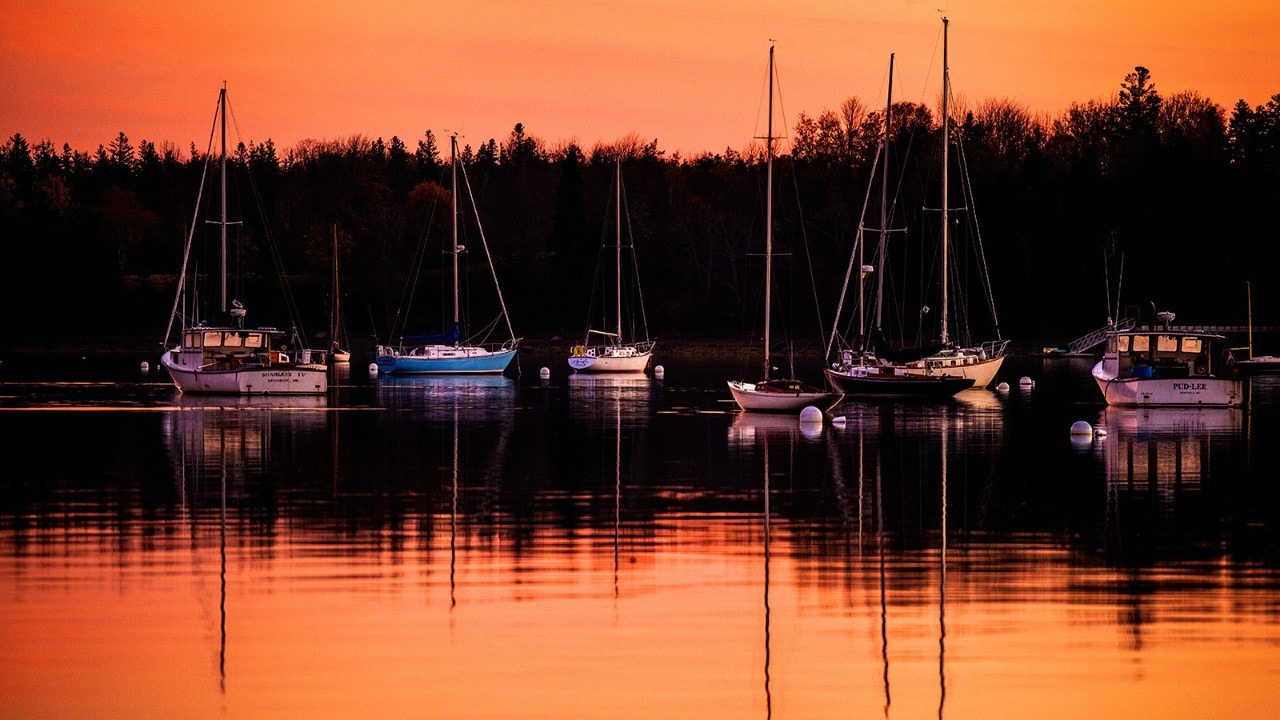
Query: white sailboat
column 982, row 361
column 856, row 370
column 230, row 358
column 448, row 353
column 613, row 353
column 775, row 394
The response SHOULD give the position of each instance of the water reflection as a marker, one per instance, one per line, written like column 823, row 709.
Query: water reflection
column 474, row 397
column 599, row 556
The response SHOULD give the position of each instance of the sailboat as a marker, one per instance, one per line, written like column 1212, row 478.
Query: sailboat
column 338, row 350
column 230, row 358
column 775, row 394
column 869, row 370
column 614, row 354
column 979, row 362
column 447, row 353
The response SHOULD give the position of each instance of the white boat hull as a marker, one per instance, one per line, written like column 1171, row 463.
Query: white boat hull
column 296, row 379
column 1167, row 392
column 611, row 359
column 761, row 397
column 981, row 370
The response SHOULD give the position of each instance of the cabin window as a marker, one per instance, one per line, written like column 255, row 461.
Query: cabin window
column 254, row 340
column 193, row 340
column 1167, row 343
column 212, row 339
column 1192, row 344
column 1141, row 343
column 1118, row 343
column 231, row 340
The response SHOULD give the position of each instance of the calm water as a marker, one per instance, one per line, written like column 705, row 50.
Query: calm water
column 577, row 548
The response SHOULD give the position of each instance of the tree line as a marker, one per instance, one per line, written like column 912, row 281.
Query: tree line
column 1141, row 200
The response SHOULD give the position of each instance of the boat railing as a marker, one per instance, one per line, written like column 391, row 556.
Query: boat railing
column 1097, row 337
column 994, row 348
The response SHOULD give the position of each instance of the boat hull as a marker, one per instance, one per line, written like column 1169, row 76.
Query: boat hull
column 303, row 379
column 1167, row 392
column 773, row 397
column 621, row 359
column 879, row 383
column 446, row 360
column 981, row 370
column 632, row 364
column 1261, row 365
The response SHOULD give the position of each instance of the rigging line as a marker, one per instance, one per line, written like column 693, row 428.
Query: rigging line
column 277, row 258
column 186, row 253
column 967, row 182
column 485, row 244
column 416, row 262
column 597, row 277
column 808, row 256
column 635, row 264
column 857, row 242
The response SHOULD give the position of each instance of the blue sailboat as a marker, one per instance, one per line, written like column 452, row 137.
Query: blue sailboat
column 448, row 353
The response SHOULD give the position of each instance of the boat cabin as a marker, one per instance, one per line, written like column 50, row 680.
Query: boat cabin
column 1162, row 354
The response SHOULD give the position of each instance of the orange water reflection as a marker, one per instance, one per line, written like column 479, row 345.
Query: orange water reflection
column 801, row 574
column 99, row 628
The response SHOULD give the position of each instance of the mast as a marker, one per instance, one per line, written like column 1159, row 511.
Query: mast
column 222, row 173
column 456, row 250
column 768, row 225
column 884, row 199
column 333, row 319
column 946, row 82
column 617, row 281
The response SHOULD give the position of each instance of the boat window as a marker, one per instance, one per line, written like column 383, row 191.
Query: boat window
column 1120, row 343
column 1167, row 343
column 1192, row 344
column 1141, row 343
column 212, row 339
column 193, row 340
column 254, row 340
column 231, row 340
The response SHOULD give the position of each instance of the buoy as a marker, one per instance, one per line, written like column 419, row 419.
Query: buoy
column 838, row 421
column 659, row 371
column 146, row 367
column 811, row 414
column 544, row 373
column 373, row 368
column 1100, row 432
column 1026, row 382
column 1081, row 428
column 1002, row 387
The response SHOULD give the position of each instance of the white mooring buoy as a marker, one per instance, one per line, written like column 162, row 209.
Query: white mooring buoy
column 811, row 415
column 545, row 373
column 373, row 369
column 1080, row 428
column 659, row 372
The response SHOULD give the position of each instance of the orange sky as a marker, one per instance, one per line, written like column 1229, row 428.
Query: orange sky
column 689, row 73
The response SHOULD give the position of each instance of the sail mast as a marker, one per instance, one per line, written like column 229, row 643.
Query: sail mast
column 617, row 281
column 222, row 111
column 884, row 200
column 768, row 225
column 333, row 319
column 946, row 82
column 453, row 167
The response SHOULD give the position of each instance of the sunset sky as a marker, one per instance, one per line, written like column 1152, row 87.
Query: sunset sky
column 689, row 73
